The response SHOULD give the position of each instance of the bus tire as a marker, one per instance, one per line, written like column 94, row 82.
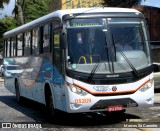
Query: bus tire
column 49, row 104
column 18, row 96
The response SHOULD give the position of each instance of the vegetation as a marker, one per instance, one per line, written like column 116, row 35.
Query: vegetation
column 24, row 12
column 6, row 24
column 28, row 10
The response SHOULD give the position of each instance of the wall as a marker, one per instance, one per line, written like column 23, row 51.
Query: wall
column 71, row 4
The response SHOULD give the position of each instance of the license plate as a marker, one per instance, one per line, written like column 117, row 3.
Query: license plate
column 115, row 108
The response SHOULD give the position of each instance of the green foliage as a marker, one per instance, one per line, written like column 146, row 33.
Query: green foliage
column 121, row 3
column 34, row 9
column 6, row 24
column 25, row 11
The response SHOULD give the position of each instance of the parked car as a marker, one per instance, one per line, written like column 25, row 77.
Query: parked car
column 12, row 70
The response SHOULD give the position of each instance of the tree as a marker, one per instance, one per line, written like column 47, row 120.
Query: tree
column 28, row 10
column 56, row 5
column 25, row 11
column 121, row 3
column 18, row 11
column 2, row 2
column 35, row 9
column 6, row 24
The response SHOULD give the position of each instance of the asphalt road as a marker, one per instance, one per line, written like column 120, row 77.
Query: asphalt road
column 34, row 113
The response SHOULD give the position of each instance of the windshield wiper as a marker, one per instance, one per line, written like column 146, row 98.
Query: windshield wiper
column 124, row 56
column 90, row 77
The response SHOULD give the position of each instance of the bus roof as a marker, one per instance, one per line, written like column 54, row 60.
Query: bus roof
column 61, row 13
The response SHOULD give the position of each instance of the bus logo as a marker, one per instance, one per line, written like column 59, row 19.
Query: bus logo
column 101, row 88
column 114, row 88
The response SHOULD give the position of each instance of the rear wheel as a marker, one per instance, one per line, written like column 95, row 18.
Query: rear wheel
column 18, row 96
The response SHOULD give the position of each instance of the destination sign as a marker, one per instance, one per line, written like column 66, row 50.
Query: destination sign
column 85, row 22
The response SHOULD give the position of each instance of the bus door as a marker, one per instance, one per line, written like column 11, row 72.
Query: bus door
column 58, row 80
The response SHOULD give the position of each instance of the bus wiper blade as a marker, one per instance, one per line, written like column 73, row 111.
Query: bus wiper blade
column 90, row 77
column 124, row 56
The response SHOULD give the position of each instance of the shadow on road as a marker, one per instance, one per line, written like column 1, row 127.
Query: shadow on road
column 36, row 111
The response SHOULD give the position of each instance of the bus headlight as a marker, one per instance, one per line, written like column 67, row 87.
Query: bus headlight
column 77, row 90
column 146, row 86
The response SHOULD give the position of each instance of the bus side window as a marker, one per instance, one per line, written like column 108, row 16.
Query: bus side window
column 5, row 47
column 46, row 38
column 19, row 44
column 9, row 47
column 27, row 44
column 35, row 41
column 12, row 47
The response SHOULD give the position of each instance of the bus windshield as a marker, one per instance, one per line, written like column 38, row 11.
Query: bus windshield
column 100, row 40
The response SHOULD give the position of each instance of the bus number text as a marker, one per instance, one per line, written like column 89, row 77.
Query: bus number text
column 82, row 101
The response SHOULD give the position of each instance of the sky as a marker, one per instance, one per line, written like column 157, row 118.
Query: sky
column 9, row 8
column 155, row 3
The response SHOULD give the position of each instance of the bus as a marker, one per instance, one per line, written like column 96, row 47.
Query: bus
column 82, row 60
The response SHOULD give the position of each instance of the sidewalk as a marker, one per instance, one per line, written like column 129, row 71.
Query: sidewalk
column 1, row 79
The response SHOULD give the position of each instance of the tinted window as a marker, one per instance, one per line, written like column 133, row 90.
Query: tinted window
column 27, row 44
column 8, row 48
column 19, row 44
column 46, row 38
column 13, row 46
column 5, row 48
column 35, row 41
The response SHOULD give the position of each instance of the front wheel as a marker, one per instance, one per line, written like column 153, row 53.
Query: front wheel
column 51, row 112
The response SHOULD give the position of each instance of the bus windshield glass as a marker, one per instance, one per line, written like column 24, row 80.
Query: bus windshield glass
column 101, row 40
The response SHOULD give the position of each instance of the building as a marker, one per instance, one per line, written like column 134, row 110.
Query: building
column 71, row 4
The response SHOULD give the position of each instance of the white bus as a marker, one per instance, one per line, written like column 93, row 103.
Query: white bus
column 82, row 60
